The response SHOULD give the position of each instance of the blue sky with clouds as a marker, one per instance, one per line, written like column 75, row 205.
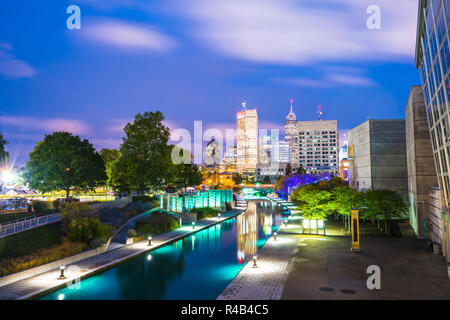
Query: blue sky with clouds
column 198, row 60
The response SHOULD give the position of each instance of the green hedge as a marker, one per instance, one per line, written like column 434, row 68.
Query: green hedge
column 45, row 206
column 156, row 223
column 203, row 213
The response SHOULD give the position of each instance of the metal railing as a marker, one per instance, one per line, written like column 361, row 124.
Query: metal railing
column 11, row 228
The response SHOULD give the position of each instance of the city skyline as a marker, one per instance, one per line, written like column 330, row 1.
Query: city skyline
column 60, row 79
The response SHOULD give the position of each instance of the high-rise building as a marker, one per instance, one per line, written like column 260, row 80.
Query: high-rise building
column 291, row 137
column 247, row 140
column 433, row 62
column 229, row 160
column 280, row 152
column 313, row 145
column 318, row 146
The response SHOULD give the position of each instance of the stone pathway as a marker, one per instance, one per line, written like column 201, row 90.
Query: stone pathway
column 266, row 281
column 37, row 285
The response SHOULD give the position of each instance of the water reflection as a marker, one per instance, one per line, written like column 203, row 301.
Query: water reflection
column 196, row 267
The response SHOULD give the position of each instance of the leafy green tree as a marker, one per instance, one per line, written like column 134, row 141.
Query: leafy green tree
column 3, row 144
column 313, row 201
column 237, row 178
column 344, row 200
column 144, row 154
column 65, row 162
column 288, row 169
column 384, row 204
column 185, row 174
column 110, row 157
column 301, row 170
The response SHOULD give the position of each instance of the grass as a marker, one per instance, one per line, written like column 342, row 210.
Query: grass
column 203, row 213
column 157, row 223
column 28, row 242
column 34, row 248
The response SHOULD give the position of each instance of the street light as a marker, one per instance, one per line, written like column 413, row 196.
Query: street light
column 275, row 236
column 193, row 224
column 218, row 215
column 61, row 275
column 149, row 241
column 254, row 262
column 7, row 176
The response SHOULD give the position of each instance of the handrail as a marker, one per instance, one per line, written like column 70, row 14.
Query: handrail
column 17, row 227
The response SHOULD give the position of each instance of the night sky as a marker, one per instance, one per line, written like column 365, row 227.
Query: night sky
column 198, row 60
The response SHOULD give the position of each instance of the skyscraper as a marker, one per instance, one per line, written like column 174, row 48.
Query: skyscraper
column 313, row 145
column 247, row 140
column 433, row 62
column 291, row 136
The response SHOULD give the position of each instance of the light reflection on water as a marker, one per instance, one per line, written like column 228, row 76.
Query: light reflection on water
column 197, row 267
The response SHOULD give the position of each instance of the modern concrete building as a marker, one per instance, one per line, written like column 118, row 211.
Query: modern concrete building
column 433, row 62
column 420, row 162
column 247, row 141
column 377, row 156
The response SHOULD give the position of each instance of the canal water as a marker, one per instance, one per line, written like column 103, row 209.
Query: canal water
column 197, row 267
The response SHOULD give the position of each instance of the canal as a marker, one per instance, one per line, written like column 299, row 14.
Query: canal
column 197, row 267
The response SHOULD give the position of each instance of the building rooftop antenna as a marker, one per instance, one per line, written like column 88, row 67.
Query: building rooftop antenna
column 319, row 113
column 244, row 105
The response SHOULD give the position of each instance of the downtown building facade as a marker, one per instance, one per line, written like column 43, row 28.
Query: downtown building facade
column 247, row 148
column 433, row 62
column 377, row 156
column 313, row 145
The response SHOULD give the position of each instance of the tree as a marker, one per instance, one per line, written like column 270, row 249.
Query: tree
column 65, row 162
column 237, row 178
column 3, row 143
column 288, row 169
column 144, row 154
column 385, row 204
column 186, row 174
column 301, row 170
column 110, row 157
column 313, row 201
column 345, row 199
column 266, row 179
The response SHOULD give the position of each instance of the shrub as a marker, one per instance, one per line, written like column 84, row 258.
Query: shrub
column 45, row 206
column 132, row 233
column 144, row 198
column 87, row 229
column 135, row 208
column 203, row 213
column 74, row 211
column 156, row 223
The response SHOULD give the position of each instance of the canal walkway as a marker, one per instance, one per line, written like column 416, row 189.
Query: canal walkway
column 300, row 266
column 48, row 281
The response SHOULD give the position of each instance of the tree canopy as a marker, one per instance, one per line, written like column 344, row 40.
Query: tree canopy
column 64, row 162
column 185, row 174
column 144, row 154
column 110, row 157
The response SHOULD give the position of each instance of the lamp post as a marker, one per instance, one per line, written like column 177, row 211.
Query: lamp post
column 61, row 275
column 254, row 261
column 149, row 241
column 275, row 236
column 193, row 224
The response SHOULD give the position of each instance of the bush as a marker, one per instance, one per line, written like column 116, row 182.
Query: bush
column 74, row 211
column 144, row 198
column 46, row 207
column 203, row 213
column 87, row 229
column 132, row 233
column 156, row 223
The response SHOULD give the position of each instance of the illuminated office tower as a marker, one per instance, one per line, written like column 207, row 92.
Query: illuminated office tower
column 247, row 140
column 291, row 137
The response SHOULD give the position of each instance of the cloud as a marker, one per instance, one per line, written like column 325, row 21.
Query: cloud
column 330, row 80
column 311, row 31
column 47, row 125
column 128, row 36
column 11, row 67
